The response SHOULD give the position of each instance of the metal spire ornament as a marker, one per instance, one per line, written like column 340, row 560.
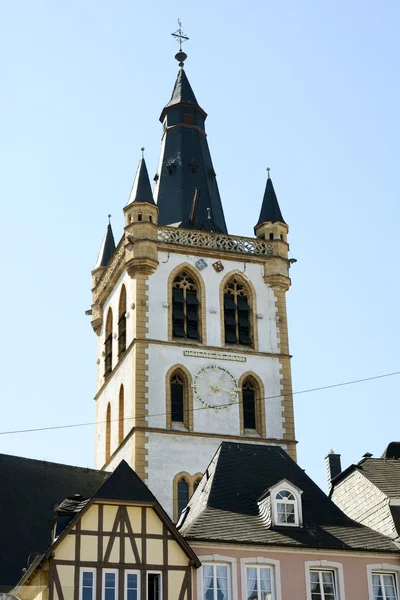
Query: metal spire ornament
column 180, row 38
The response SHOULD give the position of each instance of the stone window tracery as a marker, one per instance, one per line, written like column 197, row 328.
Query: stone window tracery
column 185, row 307
column 237, row 313
column 249, row 400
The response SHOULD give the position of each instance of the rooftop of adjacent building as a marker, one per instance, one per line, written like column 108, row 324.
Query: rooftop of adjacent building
column 225, row 506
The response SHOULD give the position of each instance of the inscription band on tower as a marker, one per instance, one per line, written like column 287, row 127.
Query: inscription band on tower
column 215, row 355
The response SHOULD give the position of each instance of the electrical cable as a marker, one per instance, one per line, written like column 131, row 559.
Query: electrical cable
column 317, row 389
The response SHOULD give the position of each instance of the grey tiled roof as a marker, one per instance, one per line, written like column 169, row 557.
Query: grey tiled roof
column 224, row 507
column 385, row 474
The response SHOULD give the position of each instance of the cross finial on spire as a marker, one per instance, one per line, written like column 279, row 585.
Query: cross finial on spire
column 180, row 38
column 109, row 219
column 268, row 170
column 142, row 150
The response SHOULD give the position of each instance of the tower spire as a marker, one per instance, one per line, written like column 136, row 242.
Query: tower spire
column 141, row 188
column 107, row 247
column 270, row 209
column 185, row 173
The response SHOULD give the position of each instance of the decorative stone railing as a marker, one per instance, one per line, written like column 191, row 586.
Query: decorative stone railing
column 215, row 241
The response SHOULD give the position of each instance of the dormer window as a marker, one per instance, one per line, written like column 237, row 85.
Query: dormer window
column 280, row 505
column 286, row 508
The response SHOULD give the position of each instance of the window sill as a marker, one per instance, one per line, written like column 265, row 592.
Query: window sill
column 251, row 433
column 176, row 426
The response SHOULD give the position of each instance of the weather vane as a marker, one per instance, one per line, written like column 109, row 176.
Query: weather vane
column 180, row 36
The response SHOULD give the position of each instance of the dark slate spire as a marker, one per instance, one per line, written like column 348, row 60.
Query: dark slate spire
column 107, row 248
column 270, row 211
column 141, row 188
column 186, row 183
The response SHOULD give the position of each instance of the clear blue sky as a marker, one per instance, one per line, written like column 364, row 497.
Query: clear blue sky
column 309, row 88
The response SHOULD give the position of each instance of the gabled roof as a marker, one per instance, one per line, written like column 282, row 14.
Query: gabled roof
column 106, row 249
column 141, row 188
column 225, row 507
column 383, row 473
column 29, row 491
column 270, row 209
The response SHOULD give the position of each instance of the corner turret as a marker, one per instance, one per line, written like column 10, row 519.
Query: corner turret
column 106, row 251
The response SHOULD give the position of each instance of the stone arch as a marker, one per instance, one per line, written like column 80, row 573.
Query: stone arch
column 201, row 296
column 260, row 403
column 188, row 396
column 252, row 299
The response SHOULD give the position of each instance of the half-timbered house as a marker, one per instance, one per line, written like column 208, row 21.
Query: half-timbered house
column 116, row 544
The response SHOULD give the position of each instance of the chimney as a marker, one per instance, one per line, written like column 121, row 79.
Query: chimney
column 333, row 466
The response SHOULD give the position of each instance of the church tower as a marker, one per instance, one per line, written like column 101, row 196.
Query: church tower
column 191, row 320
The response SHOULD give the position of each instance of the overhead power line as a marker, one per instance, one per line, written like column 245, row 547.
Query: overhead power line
column 310, row 390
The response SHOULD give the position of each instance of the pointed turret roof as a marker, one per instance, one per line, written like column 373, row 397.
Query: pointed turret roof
column 186, row 190
column 182, row 91
column 107, row 248
column 270, row 210
column 141, row 188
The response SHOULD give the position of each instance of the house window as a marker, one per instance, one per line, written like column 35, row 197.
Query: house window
column 286, row 508
column 322, row 585
column 384, row 586
column 122, row 322
column 110, row 585
column 87, row 587
column 215, row 582
column 108, row 344
column 249, row 404
column 259, row 583
column 132, row 580
column 236, row 313
column 183, row 494
column 153, row 586
column 185, row 307
column 177, row 384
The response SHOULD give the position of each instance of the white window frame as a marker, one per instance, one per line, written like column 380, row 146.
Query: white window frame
column 87, row 570
column 326, row 565
column 147, row 582
column 131, row 572
column 284, row 484
column 383, row 569
column 221, row 560
column 103, row 581
column 260, row 561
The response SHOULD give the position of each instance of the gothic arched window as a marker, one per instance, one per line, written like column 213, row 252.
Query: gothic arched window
column 237, row 313
column 121, row 415
column 182, row 494
column 178, row 393
column 108, row 433
column 185, row 307
column 122, row 322
column 249, row 400
column 108, row 344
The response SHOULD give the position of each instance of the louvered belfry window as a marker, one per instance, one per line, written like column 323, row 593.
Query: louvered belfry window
column 177, row 398
column 108, row 345
column 249, row 404
column 183, row 494
column 122, row 322
column 236, row 313
column 185, row 307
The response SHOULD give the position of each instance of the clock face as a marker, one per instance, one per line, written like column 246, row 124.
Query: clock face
column 215, row 387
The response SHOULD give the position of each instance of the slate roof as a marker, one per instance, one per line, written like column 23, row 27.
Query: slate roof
column 186, row 185
column 182, row 91
column 107, row 248
column 270, row 209
column 29, row 491
column 383, row 473
column 224, row 507
column 141, row 188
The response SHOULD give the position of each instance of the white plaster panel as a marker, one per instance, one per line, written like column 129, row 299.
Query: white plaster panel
column 226, row 421
column 265, row 298
column 170, row 454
